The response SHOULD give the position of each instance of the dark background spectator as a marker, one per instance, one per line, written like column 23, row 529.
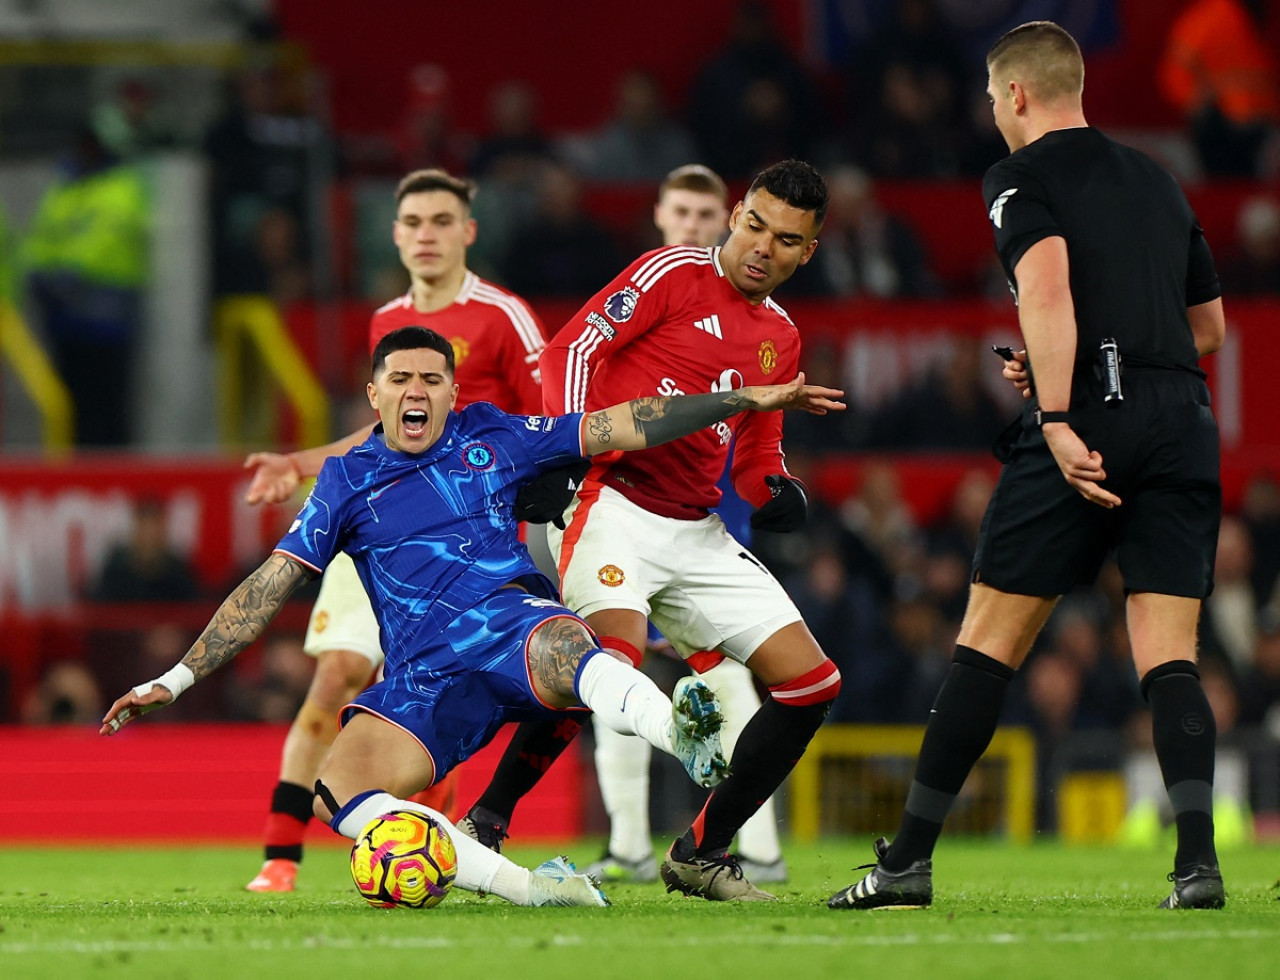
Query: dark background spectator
column 560, row 250
column 948, row 407
column 144, row 567
column 639, row 141
column 752, row 103
column 865, row 251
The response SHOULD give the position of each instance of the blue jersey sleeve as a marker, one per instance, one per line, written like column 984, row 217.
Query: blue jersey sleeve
column 549, row 441
column 315, row 535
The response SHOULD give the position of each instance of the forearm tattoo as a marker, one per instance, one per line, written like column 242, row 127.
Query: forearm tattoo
column 555, row 650
column 244, row 615
column 661, row 419
column 600, row 425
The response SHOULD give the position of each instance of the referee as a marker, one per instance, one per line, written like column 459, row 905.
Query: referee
column 1117, row 448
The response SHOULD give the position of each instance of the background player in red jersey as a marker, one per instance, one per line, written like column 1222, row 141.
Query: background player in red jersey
column 640, row 542
column 496, row 340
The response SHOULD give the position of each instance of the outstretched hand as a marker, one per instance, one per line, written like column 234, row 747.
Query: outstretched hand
column 275, row 479
column 1080, row 466
column 134, row 705
column 815, row 399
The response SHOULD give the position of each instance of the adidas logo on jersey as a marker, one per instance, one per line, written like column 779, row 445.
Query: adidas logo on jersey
column 996, row 214
column 710, row 325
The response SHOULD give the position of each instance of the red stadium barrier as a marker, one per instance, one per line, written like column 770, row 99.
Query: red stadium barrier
column 175, row 783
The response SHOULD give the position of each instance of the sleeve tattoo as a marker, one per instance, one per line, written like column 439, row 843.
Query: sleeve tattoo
column 662, row 418
column 244, row 615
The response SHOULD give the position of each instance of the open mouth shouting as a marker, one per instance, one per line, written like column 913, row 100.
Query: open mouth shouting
column 413, row 423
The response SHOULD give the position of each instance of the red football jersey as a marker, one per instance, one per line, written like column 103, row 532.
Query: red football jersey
column 671, row 323
column 496, row 341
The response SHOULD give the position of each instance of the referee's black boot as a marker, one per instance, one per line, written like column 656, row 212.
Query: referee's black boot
column 883, row 889
column 1199, row 887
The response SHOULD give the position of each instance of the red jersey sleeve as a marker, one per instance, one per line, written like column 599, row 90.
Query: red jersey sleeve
column 523, row 372
column 757, row 445
column 628, row 306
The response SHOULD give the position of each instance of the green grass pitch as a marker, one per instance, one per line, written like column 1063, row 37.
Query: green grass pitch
column 1046, row 911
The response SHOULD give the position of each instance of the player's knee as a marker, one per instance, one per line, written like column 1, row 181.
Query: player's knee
column 340, row 675
column 318, row 722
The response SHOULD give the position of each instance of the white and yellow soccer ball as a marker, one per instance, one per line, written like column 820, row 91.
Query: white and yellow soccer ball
column 403, row 860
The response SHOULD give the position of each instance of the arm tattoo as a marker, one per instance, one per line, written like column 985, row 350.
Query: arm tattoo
column 556, row 649
column 662, row 419
column 601, row 426
column 244, row 615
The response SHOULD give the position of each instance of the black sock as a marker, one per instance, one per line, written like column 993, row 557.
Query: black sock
column 767, row 750
column 1185, row 736
column 534, row 747
column 291, row 809
column 963, row 719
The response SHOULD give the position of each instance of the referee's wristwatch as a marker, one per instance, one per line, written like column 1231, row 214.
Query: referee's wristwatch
column 1042, row 417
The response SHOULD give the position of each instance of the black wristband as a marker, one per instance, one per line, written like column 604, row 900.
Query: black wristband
column 1043, row 417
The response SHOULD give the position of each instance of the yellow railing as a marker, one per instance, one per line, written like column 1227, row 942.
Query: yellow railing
column 247, row 325
column 888, row 753
column 39, row 380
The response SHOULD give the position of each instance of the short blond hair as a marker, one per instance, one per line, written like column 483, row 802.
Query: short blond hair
column 1043, row 57
column 697, row 178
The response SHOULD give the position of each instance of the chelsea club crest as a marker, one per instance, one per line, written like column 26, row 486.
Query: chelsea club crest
column 478, row 456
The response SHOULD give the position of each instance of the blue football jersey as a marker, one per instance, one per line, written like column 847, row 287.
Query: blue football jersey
column 433, row 534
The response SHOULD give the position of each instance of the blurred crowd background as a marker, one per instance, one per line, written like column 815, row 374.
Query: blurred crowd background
column 158, row 159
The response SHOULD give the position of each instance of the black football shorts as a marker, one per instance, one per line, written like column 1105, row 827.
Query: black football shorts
column 1160, row 452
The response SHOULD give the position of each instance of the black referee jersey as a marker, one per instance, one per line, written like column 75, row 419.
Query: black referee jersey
column 1137, row 255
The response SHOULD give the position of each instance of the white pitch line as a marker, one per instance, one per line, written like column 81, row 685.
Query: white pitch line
column 772, row 939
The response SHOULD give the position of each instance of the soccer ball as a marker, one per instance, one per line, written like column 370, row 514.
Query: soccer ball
column 403, row 860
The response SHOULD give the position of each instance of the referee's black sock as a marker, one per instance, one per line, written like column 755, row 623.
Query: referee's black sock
column 533, row 748
column 1185, row 736
column 963, row 719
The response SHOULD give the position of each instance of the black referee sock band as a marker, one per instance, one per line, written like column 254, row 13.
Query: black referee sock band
column 1191, row 796
column 1170, row 669
column 929, row 804
column 961, row 724
column 973, row 658
column 1184, row 734
column 292, row 800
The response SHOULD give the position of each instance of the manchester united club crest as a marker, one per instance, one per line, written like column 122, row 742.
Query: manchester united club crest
column 611, row 575
column 461, row 350
column 768, row 357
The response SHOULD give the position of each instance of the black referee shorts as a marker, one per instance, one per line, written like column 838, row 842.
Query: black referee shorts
column 1160, row 452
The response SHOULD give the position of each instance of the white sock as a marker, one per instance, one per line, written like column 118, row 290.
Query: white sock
column 622, row 768
column 735, row 688
column 479, row 869
column 626, row 700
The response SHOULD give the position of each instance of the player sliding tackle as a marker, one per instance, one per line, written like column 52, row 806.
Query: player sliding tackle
column 473, row 634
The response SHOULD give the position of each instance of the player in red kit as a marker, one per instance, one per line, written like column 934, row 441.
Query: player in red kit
column 496, row 340
column 639, row 541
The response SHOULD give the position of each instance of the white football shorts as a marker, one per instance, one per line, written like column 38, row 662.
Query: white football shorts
column 342, row 618
column 692, row 579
